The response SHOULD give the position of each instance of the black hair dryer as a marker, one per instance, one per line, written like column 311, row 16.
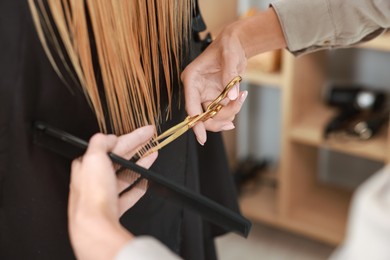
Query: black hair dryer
column 351, row 101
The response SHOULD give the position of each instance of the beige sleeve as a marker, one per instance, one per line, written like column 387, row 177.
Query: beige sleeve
column 368, row 232
column 145, row 248
column 310, row 25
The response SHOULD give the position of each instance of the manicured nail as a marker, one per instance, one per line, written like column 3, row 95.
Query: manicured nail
column 243, row 96
column 153, row 155
column 200, row 142
column 233, row 93
column 228, row 127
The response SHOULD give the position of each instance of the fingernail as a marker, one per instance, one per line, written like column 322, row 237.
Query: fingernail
column 243, row 96
column 200, row 142
column 202, row 137
column 228, row 127
column 153, row 155
column 233, row 93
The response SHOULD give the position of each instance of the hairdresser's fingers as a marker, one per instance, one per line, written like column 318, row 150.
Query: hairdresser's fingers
column 148, row 160
column 93, row 183
column 192, row 90
column 128, row 177
column 200, row 133
column 76, row 164
column 223, row 121
column 100, row 143
column 95, row 162
column 74, row 192
column 233, row 62
column 230, row 71
column 130, row 198
column 129, row 144
column 229, row 111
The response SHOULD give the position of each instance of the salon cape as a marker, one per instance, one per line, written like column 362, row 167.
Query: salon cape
column 34, row 175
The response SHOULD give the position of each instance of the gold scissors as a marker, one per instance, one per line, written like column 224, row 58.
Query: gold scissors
column 179, row 129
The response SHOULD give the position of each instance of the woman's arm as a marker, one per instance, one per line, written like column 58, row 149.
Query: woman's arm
column 322, row 24
column 302, row 26
column 226, row 57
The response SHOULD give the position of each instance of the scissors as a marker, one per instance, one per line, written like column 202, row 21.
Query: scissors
column 212, row 109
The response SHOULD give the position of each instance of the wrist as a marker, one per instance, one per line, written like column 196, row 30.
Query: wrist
column 109, row 240
column 119, row 238
column 106, row 237
column 260, row 33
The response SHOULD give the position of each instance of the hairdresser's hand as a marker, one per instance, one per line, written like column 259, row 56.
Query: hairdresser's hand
column 126, row 147
column 206, row 77
column 94, row 207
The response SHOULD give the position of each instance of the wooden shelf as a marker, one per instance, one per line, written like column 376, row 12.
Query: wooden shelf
column 300, row 203
column 257, row 77
column 381, row 43
column 259, row 199
column 309, row 130
column 322, row 214
column 261, row 205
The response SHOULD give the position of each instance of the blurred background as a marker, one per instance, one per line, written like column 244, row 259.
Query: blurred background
column 301, row 144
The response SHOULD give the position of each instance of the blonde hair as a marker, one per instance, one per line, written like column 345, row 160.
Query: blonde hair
column 135, row 41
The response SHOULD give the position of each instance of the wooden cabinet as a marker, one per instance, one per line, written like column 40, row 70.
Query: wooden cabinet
column 300, row 202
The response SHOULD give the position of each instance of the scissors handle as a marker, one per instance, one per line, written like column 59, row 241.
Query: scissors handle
column 214, row 107
column 224, row 93
column 179, row 129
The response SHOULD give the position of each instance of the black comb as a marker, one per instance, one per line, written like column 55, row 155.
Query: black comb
column 208, row 209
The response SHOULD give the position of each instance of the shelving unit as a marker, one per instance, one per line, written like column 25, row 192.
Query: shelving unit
column 301, row 203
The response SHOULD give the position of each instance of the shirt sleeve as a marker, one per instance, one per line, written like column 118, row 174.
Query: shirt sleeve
column 145, row 248
column 311, row 25
column 368, row 232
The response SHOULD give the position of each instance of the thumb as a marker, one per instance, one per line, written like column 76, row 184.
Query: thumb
column 229, row 67
column 100, row 143
column 194, row 107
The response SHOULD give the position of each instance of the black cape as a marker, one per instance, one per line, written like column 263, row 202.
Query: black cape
column 34, row 181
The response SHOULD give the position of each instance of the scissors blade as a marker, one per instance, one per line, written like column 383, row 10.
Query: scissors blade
column 172, row 130
column 169, row 139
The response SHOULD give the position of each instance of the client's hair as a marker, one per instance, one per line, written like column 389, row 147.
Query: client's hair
column 134, row 41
